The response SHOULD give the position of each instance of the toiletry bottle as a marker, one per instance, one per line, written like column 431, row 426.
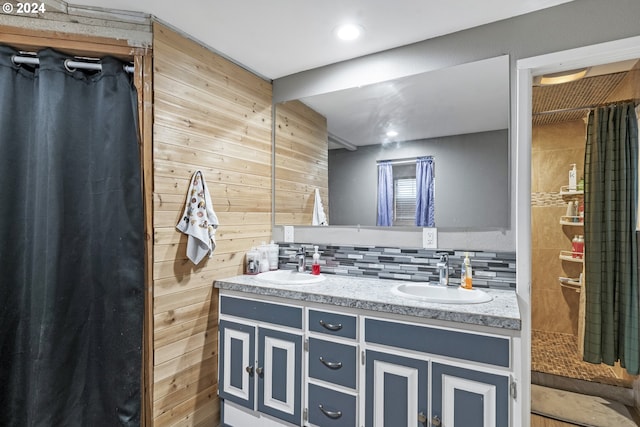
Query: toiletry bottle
column 573, row 178
column 570, row 210
column 468, row 276
column 264, row 261
column 274, row 252
column 577, row 247
column 253, row 261
column 463, row 274
column 580, row 211
column 315, row 267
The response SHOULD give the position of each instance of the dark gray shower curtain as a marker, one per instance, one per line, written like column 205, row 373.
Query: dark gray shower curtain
column 71, row 245
column 612, row 330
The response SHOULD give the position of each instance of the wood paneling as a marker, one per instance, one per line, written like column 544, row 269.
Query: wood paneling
column 212, row 115
column 301, row 163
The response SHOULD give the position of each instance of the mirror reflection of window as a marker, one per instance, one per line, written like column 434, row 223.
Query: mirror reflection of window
column 399, row 193
column 404, row 180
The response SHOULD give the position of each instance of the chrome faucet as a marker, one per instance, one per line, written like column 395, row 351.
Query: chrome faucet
column 443, row 270
column 302, row 260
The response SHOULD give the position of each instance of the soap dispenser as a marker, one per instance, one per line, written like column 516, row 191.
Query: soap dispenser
column 315, row 267
column 573, row 178
column 468, row 279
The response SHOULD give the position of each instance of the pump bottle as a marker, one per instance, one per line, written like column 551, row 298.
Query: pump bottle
column 315, row 267
column 468, row 279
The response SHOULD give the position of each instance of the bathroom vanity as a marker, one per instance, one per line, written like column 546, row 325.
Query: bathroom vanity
column 346, row 351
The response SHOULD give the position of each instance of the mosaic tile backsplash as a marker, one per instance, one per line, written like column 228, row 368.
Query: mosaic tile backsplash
column 490, row 269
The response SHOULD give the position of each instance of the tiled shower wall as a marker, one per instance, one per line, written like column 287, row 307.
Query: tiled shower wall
column 554, row 148
column 490, row 269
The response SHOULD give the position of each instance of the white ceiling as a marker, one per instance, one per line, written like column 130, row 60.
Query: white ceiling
column 275, row 38
column 467, row 98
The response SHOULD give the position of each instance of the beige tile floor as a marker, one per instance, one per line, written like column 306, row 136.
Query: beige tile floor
column 557, row 353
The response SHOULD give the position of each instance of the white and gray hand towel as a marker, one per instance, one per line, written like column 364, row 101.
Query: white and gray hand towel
column 319, row 217
column 199, row 221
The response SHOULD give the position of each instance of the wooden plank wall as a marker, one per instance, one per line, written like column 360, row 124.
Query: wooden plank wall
column 212, row 115
column 301, row 163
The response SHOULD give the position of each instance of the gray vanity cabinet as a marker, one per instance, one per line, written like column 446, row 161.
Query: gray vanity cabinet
column 236, row 381
column 470, row 376
column 285, row 364
column 396, row 390
column 332, row 369
column 470, row 397
column 260, row 349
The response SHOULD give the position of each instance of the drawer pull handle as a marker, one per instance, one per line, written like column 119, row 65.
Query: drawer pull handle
column 249, row 370
column 331, row 326
column 331, row 365
column 331, row 414
column 435, row 421
column 259, row 371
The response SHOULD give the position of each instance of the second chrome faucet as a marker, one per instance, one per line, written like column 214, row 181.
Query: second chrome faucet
column 302, row 260
column 443, row 269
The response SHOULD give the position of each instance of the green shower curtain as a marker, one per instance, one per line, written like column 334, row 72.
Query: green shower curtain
column 611, row 248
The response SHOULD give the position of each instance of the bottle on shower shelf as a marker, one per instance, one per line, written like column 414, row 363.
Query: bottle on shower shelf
column 573, row 178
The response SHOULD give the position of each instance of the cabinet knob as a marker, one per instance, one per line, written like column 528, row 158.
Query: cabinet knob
column 331, row 326
column 259, row 371
column 331, row 414
column 249, row 370
column 435, row 421
column 331, row 365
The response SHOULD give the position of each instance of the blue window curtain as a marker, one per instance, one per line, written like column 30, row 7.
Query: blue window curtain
column 425, row 197
column 385, row 194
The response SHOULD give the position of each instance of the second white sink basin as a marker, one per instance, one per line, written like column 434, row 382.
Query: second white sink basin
column 441, row 294
column 289, row 277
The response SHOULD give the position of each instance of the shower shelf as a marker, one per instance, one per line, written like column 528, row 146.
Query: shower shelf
column 571, row 220
column 569, row 256
column 570, row 283
column 565, row 192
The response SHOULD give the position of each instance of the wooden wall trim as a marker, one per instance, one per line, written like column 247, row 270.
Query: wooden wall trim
column 62, row 21
column 70, row 44
column 143, row 69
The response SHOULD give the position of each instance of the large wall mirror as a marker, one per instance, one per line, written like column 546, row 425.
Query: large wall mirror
column 333, row 142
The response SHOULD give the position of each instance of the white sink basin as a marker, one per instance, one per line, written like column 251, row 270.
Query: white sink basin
column 289, row 277
column 441, row 294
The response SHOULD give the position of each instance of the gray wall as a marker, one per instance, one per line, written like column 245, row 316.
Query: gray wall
column 472, row 180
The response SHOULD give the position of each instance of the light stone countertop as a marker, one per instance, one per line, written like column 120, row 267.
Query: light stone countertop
column 375, row 294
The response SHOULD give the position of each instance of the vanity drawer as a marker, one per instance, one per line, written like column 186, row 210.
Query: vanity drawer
column 480, row 348
column 276, row 314
column 333, row 362
column 331, row 407
column 325, row 322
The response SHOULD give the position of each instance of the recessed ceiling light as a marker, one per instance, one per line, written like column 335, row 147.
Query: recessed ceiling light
column 349, row 32
column 392, row 133
column 562, row 77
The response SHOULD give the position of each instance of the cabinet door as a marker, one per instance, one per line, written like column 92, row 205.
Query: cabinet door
column 468, row 398
column 236, row 365
column 280, row 374
column 396, row 390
